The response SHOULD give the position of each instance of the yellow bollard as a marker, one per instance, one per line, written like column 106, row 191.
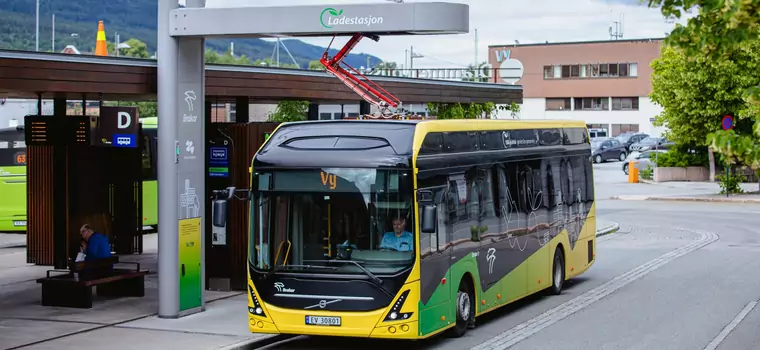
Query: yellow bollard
column 633, row 172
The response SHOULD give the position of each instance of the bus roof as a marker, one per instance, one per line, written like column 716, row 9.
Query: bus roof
column 393, row 143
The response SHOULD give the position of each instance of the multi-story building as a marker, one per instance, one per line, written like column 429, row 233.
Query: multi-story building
column 605, row 83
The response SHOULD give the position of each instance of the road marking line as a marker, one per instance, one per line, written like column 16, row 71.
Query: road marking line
column 730, row 327
column 548, row 318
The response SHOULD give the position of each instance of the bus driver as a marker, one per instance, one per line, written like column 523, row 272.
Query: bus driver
column 400, row 239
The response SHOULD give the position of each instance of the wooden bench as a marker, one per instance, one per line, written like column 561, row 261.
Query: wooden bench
column 74, row 287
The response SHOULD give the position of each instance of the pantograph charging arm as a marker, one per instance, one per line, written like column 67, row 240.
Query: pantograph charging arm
column 364, row 87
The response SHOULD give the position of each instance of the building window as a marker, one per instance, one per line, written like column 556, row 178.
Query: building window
column 558, row 104
column 604, row 69
column 592, row 103
column 625, row 103
column 325, row 116
column 618, row 129
column 623, row 70
column 575, row 71
column 548, row 72
column 595, row 70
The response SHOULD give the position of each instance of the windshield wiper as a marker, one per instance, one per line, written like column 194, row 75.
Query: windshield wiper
column 367, row 272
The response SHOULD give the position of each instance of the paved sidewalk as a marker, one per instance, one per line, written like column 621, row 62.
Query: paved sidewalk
column 12, row 239
column 714, row 198
column 122, row 323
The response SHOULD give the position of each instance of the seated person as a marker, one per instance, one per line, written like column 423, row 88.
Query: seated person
column 94, row 244
column 400, row 239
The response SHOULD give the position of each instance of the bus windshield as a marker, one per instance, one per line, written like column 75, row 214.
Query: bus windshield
column 334, row 221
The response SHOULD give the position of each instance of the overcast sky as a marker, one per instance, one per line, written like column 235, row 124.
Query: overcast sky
column 501, row 22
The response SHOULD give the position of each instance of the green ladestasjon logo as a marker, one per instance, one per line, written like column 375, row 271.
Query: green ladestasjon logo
column 331, row 17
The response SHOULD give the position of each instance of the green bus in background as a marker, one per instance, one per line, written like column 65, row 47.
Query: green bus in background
column 13, row 177
column 12, row 180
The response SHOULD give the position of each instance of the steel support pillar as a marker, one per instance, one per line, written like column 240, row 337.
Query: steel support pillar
column 181, row 155
column 313, row 113
column 242, row 109
column 365, row 108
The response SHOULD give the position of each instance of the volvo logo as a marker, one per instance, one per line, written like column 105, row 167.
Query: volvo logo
column 323, row 304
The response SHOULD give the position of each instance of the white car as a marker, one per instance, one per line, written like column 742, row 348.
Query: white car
column 641, row 159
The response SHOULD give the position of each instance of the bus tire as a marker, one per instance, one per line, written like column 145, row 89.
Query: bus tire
column 558, row 272
column 465, row 308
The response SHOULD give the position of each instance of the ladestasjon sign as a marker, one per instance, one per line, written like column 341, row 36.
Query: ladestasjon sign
column 483, row 73
column 331, row 17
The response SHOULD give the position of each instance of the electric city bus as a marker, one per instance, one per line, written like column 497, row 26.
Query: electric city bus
column 12, row 180
column 404, row 229
column 13, row 177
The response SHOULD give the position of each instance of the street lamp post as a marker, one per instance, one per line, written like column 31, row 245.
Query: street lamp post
column 37, row 29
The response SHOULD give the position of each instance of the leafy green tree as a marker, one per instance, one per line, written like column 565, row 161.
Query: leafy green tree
column 290, row 111
column 469, row 110
column 696, row 92
column 136, row 49
column 316, row 65
column 719, row 30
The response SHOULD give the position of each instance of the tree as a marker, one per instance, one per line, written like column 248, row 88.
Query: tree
column 290, row 111
column 695, row 92
column 316, row 65
column 720, row 29
column 136, row 49
column 469, row 110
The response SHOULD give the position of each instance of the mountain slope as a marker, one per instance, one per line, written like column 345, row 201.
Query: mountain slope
column 130, row 19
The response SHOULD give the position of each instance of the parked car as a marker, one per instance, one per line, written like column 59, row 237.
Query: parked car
column 630, row 138
column 641, row 160
column 652, row 143
column 603, row 149
column 597, row 133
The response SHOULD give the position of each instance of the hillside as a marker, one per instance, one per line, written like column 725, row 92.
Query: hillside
column 131, row 19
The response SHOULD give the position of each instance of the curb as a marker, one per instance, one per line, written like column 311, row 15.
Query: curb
column 614, row 227
column 688, row 199
column 258, row 342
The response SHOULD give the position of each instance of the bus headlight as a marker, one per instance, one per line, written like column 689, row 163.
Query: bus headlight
column 256, row 309
column 395, row 314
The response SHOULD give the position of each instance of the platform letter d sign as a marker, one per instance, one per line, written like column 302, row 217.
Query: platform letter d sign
column 125, row 120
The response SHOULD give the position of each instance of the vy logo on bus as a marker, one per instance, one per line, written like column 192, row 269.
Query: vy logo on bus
column 281, row 288
column 329, row 180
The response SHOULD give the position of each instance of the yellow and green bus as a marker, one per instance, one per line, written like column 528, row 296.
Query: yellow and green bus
column 13, row 177
column 405, row 229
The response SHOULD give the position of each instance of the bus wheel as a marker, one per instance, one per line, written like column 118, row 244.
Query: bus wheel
column 558, row 272
column 465, row 309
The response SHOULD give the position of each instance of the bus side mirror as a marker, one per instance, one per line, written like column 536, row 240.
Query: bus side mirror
column 429, row 218
column 220, row 213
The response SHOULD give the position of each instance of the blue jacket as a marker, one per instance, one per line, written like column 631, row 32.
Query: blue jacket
column 97, row 247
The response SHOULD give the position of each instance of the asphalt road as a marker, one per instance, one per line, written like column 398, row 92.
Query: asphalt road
column 676, row 276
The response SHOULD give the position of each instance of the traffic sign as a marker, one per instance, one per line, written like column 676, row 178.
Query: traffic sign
column 728, row 122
